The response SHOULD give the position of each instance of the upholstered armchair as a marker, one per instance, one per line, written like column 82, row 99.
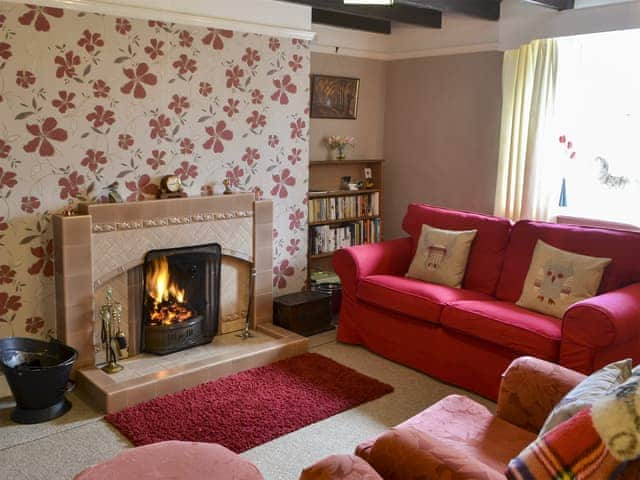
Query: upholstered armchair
column 460, row 439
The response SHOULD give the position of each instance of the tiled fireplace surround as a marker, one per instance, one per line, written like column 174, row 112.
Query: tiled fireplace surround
column 108, row 242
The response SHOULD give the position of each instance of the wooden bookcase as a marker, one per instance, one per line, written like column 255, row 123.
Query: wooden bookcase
column 324, row 182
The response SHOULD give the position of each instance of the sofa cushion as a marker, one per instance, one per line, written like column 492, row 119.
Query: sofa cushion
column 622, row 247
column 503, row 323
column 487, row 251
column 583, row 395
column 442, row 256
column 456, row 438
column 557, row 279
column 414, row 298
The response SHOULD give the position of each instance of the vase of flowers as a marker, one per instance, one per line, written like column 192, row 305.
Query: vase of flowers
column 339, row 145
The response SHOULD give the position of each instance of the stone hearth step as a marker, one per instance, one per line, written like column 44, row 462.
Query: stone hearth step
column 149, row 376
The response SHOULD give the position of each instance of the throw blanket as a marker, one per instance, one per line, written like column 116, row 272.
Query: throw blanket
column 594, row 444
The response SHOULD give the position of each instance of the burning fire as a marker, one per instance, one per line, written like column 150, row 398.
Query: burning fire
column 169, row 302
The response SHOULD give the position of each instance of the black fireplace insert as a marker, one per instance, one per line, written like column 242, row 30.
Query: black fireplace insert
column 181, row 298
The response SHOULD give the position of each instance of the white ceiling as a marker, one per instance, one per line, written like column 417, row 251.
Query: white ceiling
column 520, row 22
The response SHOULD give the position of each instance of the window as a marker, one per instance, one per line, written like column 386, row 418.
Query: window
column 598, row 116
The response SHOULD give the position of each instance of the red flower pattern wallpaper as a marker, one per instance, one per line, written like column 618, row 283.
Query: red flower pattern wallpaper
column 93, row 103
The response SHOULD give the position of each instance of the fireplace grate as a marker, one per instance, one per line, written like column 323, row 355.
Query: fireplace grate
column 181, row 298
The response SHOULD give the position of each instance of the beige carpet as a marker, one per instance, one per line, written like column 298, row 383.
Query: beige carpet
column 62, row 448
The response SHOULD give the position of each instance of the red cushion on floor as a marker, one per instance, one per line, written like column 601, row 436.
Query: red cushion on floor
column 414, row 298
column 508, row 325
column 172, row 460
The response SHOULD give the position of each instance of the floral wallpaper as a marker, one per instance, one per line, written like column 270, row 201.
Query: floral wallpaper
column 91, row 104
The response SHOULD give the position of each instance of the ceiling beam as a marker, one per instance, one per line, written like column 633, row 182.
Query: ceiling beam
column 354, row 22
column 487, row 9
column 400, row 12
column 555, row 4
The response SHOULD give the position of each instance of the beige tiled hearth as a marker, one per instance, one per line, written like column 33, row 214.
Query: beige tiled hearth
column 147, row 376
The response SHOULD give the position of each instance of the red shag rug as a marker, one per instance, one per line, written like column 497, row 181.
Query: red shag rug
column 250, row 408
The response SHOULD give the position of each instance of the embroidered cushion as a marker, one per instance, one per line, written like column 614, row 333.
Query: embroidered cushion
column 441, row 256
column 593, row 387
column 557, row 279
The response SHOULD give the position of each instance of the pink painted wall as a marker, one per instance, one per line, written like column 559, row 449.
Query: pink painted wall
column 442, row 131
column 87, row 100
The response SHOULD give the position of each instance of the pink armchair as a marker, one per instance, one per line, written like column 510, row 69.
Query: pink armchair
column 459, row 439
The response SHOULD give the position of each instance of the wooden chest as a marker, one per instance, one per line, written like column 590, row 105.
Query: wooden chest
column 305, row 313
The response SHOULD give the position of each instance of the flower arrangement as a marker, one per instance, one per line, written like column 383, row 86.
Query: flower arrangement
column 339, row 143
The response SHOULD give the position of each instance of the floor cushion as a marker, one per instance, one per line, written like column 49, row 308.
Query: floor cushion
column 503, row 323
column 415, row 298
column 455, row 438
column 172, row 460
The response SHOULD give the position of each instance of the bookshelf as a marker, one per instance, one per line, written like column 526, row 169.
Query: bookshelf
column 358, row 216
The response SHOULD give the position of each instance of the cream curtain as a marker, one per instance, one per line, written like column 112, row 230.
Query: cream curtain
column 527, row 185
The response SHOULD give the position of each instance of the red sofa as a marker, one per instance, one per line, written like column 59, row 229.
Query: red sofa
column 469, row 336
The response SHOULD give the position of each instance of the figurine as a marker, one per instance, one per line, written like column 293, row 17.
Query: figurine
column 227, row 186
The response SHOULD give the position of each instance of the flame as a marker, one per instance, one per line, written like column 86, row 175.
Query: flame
column 169, row 300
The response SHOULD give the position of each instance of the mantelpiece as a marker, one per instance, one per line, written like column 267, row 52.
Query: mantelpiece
column 104, row 246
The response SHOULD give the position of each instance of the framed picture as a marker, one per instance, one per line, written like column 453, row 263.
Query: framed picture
column 334, row 97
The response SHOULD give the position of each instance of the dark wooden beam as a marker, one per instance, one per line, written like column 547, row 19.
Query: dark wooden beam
column 487, row 9
column 354, row 22
column 556, row 4
column 399, row 12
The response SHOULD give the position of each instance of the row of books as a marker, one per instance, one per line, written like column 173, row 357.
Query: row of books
column 337, row 208
column 329, row 238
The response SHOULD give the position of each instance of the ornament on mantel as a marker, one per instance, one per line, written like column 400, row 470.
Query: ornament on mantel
column 339, row 144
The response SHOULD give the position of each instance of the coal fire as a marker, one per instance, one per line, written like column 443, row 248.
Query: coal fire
column 167, row 300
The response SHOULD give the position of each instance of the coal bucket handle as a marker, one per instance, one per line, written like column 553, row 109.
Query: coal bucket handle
column 70, row 386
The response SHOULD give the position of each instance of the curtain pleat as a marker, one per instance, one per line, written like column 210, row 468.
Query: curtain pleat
column 525, row 186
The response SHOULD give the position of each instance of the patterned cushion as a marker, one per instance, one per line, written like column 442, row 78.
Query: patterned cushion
column 616, row 417
column 587, row 392
column 441, row 256
column 557, row 279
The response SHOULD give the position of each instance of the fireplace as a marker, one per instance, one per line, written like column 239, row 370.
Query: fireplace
column 181, row 298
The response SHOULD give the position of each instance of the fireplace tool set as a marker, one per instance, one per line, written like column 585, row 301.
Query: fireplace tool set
column 113, row 338
column 246, row 333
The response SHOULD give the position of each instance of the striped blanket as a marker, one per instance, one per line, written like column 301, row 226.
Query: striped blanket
column 572, row 450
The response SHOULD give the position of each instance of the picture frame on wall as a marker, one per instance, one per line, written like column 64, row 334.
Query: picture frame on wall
column 334, row 97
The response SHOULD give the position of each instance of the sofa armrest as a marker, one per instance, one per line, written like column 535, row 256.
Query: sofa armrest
column 530, row 389
column 353, row 263
column 407, row 453
column 340, row 467
column 606, row 320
